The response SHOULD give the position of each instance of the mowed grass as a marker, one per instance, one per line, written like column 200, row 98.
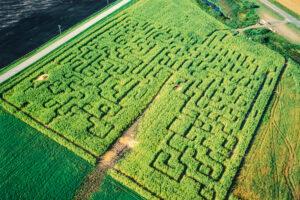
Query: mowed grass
column 272, row 168
column 33, row 166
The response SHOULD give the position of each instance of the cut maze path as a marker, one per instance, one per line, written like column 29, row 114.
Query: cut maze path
column 108, row 160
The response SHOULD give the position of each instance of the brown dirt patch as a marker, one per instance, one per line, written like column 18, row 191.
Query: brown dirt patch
column 43, row 77
column 107, row 161
column 177, row 87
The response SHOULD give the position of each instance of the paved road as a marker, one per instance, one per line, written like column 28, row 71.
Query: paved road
column 61, row 41
column 287, row 16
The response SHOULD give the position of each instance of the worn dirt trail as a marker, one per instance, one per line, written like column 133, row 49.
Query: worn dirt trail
column 126, row 142
column 107, row 161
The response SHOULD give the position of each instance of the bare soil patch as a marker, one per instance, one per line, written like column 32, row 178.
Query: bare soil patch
column 43, row 77
column 283, row 29
column 107, row 161
column 280, row 27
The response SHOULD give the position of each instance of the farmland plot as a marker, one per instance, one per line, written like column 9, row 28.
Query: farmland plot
column 208, row 90
column 35, row 167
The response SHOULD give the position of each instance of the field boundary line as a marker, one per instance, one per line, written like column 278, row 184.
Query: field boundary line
column 81, row 148
column 37, row 56
column 258, row 127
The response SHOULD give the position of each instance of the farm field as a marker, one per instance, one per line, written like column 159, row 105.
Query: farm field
column 292, row 5
column 196, row 92
column 111, row 189
column 271, row 169
column 34, row 167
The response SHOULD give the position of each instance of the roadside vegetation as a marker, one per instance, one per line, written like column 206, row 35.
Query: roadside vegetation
column 239, row 14
column 234, row 13
column 275, row 42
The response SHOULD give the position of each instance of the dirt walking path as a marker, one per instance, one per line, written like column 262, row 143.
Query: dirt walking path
column 276, row 26
column 126, row 142
column 268, row 25
column 32, row 59
column 107, row 161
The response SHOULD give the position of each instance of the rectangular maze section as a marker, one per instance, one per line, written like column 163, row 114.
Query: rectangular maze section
column 89, row 92
column 86, row 94
column 191, row 141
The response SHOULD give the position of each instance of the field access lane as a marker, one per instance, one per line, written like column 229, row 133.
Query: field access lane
column 26, row 63
column 281, row 12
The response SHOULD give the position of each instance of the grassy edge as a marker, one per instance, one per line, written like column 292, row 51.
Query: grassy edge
column 44, row 147
column 64, row 33
column 130, row 184
column 121, row 186
column 265, row 121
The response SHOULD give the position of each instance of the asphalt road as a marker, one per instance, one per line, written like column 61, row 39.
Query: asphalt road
column 287, row 16
column 23, row 65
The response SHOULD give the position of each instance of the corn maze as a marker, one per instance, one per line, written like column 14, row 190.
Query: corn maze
column 202, row 94
column 198, row 131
